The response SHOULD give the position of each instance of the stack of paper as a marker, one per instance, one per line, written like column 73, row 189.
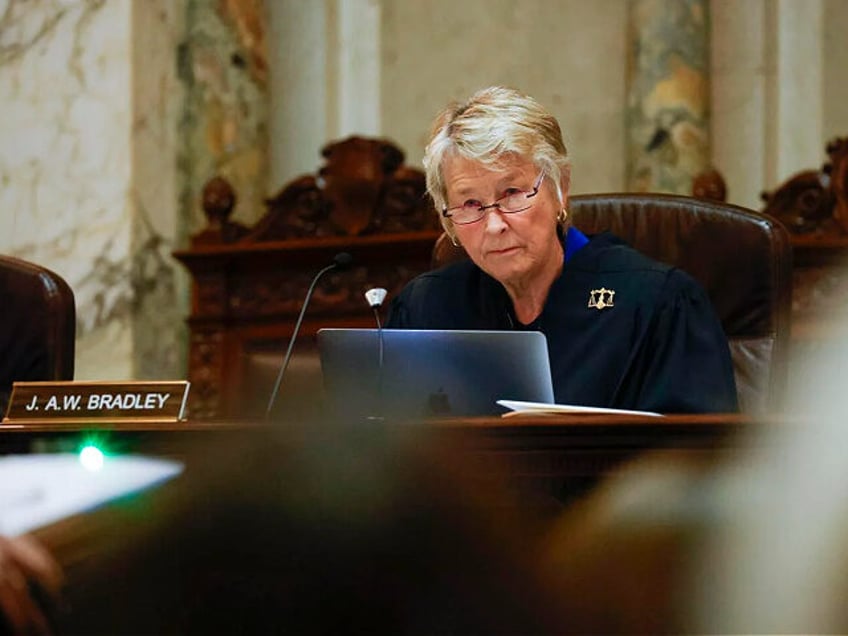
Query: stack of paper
column 36, row 490
column 540, row 408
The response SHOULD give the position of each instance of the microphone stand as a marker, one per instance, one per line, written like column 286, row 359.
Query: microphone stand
column 379, row 364
column 380, row 332
column 339, row 262
column 375, row 298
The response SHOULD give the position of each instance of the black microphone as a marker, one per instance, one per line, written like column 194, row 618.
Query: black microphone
column 341, row 261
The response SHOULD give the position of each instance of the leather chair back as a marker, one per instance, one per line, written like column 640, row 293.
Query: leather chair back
column 743, row 259
column 37, row 326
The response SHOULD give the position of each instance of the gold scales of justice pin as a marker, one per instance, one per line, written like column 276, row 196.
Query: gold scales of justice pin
column 601, row 298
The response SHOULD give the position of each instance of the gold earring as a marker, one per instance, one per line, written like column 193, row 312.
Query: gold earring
column 562, row 215
column 454, row 241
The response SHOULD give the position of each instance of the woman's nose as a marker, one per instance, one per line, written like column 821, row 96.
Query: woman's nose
column 494, row 220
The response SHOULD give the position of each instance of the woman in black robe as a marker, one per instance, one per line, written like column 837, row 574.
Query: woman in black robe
column 623, row 331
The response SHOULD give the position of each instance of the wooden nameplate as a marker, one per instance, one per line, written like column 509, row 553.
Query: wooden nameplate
column 75, row 402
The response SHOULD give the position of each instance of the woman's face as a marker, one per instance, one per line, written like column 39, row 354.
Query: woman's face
column 512, row 248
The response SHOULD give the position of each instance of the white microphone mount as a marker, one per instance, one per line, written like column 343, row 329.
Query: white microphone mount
column 375, row 297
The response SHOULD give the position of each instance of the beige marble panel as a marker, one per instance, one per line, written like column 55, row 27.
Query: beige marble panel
column 88, row 160
column 739, row 75
column 799, row 88
column 835, row 60
column 160, row 285
column 224, row 126
column 358, row 99
column 324, row 79
column 299, row 118
column 65, row 163
column 780, row 89
column 569, row 54
column 668, row 95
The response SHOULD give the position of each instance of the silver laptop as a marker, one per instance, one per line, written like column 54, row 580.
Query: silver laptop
column 431, row 373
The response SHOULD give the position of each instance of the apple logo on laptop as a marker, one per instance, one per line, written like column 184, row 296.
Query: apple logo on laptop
column 438, row 403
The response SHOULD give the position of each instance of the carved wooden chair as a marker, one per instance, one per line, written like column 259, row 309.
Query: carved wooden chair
column 813, row 205
column 249, row 282
column 742, row 259
column 37, row 325
column 815, row 202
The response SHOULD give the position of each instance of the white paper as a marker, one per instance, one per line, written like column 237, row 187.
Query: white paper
column 541, row 407
column 39, row 489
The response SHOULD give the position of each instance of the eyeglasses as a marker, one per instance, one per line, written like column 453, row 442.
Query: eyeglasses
column 514, row 200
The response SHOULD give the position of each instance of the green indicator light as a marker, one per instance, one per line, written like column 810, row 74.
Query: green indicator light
column 91, row 458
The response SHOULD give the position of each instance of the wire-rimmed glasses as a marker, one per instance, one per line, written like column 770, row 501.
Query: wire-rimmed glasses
column 513, row 201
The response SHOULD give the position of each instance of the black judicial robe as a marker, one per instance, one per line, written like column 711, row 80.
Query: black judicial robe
column 659, row 347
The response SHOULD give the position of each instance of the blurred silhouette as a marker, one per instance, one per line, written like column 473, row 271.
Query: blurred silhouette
column 316, row 529
column 743, row 541
column 325, row 527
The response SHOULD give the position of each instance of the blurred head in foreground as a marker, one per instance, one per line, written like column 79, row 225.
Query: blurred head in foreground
column 748, row 538
column 322, row 529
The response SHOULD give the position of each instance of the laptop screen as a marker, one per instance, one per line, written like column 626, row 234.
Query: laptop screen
column 430, row 373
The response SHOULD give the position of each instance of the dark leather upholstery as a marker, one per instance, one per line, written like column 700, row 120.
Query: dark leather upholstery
column 743, row 260
column 37, row 325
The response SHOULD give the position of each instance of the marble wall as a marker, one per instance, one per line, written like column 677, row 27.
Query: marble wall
column 835, row 68
column 386, row 67
column 568, row 54
column 667, row 130
column 116, row 112
column 159, row 288
column 224, row 124
column 753, row 88
column 65, row 161
column 779, row 89
column 324, row 80
column 761, row 81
